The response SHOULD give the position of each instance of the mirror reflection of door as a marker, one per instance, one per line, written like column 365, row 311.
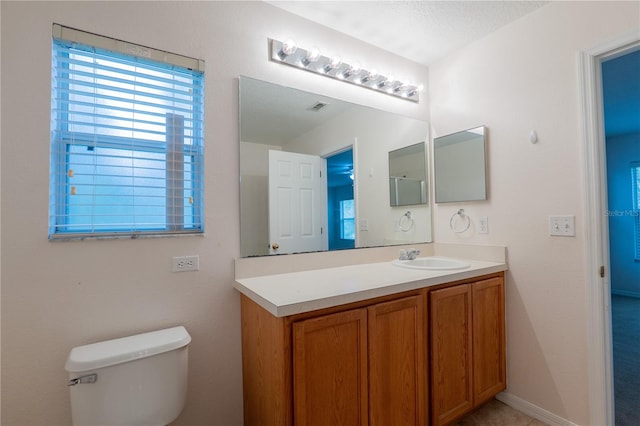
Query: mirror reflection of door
column 340, row 201
column 297, row 204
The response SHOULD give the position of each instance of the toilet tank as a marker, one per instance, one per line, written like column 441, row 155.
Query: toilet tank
column 134, row 380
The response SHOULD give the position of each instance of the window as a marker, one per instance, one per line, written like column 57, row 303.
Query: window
column 347, row 220
column 126, row 139
column 635, row 185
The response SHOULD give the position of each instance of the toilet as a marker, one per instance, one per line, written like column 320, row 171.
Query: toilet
column 138, row 380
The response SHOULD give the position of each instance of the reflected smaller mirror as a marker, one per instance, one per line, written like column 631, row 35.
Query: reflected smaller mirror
column 408, row 176
column 460, row 166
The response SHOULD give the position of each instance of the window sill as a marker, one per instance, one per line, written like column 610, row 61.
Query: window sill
column 85, row 237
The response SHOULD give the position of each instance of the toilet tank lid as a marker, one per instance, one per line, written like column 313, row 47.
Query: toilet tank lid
column 125, row 349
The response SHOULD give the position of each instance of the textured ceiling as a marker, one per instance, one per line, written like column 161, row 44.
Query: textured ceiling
column 423, row 31
column 426, row 31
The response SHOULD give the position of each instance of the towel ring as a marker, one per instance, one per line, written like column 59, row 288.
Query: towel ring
column 406, row 222
column 459, row 213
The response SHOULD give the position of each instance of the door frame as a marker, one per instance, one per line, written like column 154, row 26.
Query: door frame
column 353, row 170
column 598, row 291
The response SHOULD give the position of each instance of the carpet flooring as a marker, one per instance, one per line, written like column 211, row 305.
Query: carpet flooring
column 625, row 321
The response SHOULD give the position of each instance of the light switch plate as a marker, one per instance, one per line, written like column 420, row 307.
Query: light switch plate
column 562, row 225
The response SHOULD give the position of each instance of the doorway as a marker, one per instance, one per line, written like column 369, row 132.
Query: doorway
column 621, row 108
column 597, row 265
column 340, row 201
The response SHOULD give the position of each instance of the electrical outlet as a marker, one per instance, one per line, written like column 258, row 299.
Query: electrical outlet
column 483, row 225
column 185, row 263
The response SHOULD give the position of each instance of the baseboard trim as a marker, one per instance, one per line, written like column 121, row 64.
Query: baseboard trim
column 625, row 293
column 532, row 410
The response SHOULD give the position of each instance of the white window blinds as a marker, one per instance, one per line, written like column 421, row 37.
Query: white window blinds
column 126, row 139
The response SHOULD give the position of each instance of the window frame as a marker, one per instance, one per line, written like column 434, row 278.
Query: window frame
column 344, row 219
column 62, row 139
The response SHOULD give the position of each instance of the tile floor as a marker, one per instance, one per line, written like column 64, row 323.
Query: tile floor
column 496, row 413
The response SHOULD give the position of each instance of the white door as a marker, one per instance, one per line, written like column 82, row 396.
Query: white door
column 296, row 203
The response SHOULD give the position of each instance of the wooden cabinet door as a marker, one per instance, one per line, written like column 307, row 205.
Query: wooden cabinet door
column 451, row 353
column 489, row 363
column 397, row 358
column 330, row 370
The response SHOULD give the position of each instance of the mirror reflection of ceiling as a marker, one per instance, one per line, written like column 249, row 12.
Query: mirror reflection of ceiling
column 423, row 31
column 277, row 115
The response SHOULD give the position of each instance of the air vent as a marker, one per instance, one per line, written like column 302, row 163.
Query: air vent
column 318, row 106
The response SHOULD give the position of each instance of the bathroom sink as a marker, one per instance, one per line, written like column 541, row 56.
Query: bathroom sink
column 432, row 263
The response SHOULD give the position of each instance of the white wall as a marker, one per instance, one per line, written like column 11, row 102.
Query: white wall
column 525, row 77
column 254, row 198
column 59, row 295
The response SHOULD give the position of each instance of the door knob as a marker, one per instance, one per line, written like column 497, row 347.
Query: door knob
column 275, row 246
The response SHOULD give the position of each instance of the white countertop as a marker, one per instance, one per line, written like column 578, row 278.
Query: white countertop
column 297, row 292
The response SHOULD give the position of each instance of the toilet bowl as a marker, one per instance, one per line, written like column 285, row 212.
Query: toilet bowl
column 138, row 380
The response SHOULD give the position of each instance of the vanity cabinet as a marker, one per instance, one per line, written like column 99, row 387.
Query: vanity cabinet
column 330, row 369
column 467, row 347
column 362, row 366
column 365, row 365
column 420, row 357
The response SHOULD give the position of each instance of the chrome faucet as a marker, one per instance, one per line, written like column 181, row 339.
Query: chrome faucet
column 409, row 254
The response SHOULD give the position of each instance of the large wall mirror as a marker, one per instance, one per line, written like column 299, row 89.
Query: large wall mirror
column 314, row 173
column 460, row 166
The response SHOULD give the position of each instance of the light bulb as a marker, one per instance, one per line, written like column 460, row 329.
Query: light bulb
column 289, row 47
column 312, row 56
column 366, row 77
column 385, row 81
column 335, row 63
column 413, row 90
column 353, row 69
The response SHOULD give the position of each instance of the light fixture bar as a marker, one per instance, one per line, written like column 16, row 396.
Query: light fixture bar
column 312, row 60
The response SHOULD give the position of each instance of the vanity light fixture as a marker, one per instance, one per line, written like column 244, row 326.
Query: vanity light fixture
column 312, row 60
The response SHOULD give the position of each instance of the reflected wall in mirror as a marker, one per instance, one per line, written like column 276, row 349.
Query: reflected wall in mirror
column 408, row 175
column 314, row 173
column 460, row 166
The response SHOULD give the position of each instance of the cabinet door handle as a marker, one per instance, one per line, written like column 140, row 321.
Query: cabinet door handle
column 275, row 246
